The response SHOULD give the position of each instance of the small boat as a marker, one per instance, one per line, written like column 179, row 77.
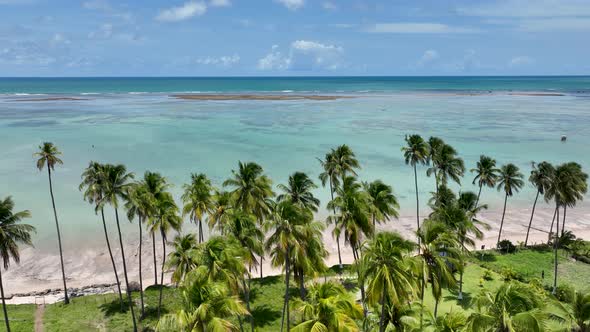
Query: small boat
column 563, row 138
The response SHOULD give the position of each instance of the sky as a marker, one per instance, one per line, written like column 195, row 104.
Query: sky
column 294, row 37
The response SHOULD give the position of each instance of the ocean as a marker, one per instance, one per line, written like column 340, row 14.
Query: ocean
column 136, row 122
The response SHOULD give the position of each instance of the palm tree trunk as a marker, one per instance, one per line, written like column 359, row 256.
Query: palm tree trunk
column 435, row 182
column 247, row 296
column 261, row 260
column 563, row 224
column 417, row 206
column 140, row 222
column 555, row 247
column 338, row 237
column 422, row 298
column 526, row 240
column 382, row 316
column 435, row 307
column 361, row 284
column 301, row 284
column 4, row 302
column 125, row 272
column 478, row 194
column 162, row 272
column 286, row 303
column 61, row 256
column 502, row 222
column 552, row 224
column 106, row 235
column 154, row 251
column 460, row 296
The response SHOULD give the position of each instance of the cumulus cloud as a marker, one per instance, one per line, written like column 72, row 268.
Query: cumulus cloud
column 521, row 60
column 292, row 4
column 428, row 57
column 181, row 13
column 220, row 3
column 303, row 55
column 222, row 61
column 413, row 27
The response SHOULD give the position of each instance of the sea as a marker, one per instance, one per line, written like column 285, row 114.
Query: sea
column 139, row 123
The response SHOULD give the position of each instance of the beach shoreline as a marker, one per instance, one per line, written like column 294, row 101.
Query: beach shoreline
column 39, row 271
column 221, row 97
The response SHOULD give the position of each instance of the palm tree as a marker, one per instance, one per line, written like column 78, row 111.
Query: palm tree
column 439, row 254
column 157, row 186
column 384, row 204
column 93, row 180
column 574, row 189
column 48, row 155
column 486, row 174
column 198, row 200
column 445, row 165
column 510, row 181
column 116, row 181
column 331, row 176
column 385, row 268
column 140, row 203
column 540, row 178
column 12, row 232
column 581, row 311
column 416, row 152
column 298, row 191
column 329, row 307
column 222, row 201
column 165, row 219
column 252, row 192
column 206, row 306
column 513, row 307
column 182, row 259
column 435, row 145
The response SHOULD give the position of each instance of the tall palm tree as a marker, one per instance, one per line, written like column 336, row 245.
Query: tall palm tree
column 416, row 152
column 117, row 182
column 12, row 233
column 206, row 306
column 157, row 186
column 298, row 191
column 182, row 259
column 510, row 181
column 384, row 204
column 435, row 145
column 252, row 191
column 165, row 219
column 540, row 178
column 93, row 180
column 141, row 203
column 48, row 155
column 486, row 174
column 222, row 201
column 576, row 186
column 513, row 307
column 329, row 307
column 446, row 165
column 198, row 200
column 581, row 311
column 331, row 176
column 385, row 268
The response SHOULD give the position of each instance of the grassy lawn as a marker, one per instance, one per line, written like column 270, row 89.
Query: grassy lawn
column 22, row 318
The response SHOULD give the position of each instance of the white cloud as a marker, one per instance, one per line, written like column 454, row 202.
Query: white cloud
column 303, row 55
column 222, row 61
column 428, row 57
column 59, row 39
column 528, row 9
column 180, row 13
column 522, row 60
column 97, row 5
column 105, row 31
column 26, row 53
column 292, row 4
column 412, row 27
column 329, row 5
column 220, row 3
column 554, row 24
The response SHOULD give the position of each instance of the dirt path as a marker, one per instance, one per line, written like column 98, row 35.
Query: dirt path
column 39, row 318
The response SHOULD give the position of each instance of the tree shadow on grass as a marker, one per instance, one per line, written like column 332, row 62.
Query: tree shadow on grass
column 264, row 315
column 114, row 307
column 465, row 303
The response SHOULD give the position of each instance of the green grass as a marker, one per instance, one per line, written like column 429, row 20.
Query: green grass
column 21, row 317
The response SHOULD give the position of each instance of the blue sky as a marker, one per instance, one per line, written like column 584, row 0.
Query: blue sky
column 294, row 37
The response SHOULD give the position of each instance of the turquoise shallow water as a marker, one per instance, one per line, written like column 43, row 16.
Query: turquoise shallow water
column 176, row 137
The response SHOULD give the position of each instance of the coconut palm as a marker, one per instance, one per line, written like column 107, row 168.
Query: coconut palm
column 513, row 307
column 222, row 201
column 439, row 254
column 385, row 268
column 510, row 181
column 486, row 174
column 581, row 311
column 384, row 204
column 117, row 182
column 12, row 233
column 328, row 307
column 540, row 178
column 206, row 306
column 331, row 176
column 165, row 219
column 48, row 155
column 416, row 152
column 252, row 191
column 435, row 145
column 298, row 191
column 93, row 185
column 141, row 203
column 445, row 165
column 158, row 187
column 198, row 200
column 182, row 259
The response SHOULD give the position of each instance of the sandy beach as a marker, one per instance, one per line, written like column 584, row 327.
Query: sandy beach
column 39, row 271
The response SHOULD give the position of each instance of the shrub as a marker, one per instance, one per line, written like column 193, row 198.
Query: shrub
column 565, row 293
column 506, row 247
column 509, row 274
column 487, row 275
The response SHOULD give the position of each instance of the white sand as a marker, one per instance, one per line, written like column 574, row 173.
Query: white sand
column 40, row 270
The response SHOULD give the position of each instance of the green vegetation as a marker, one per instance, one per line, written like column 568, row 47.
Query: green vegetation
column 393, row 284
column 22, row 317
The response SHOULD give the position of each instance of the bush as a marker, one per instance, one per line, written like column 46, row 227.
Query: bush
column 565, row 293
column 506, row 247
column 487, row 275
column 509, row 274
